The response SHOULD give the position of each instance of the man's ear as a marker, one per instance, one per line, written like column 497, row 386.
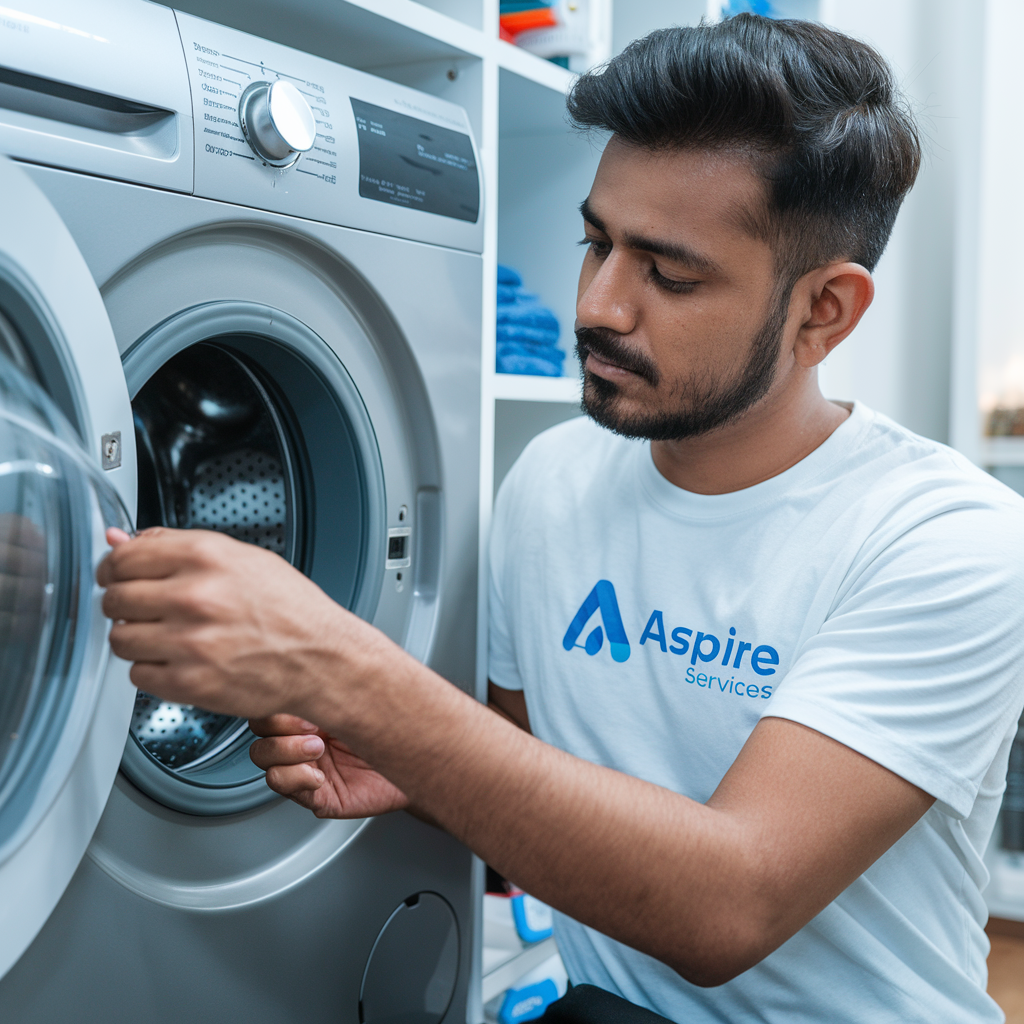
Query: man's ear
column 832, row 300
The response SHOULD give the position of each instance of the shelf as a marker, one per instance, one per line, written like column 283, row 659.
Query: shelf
column 1002, row 451
column 362, row 34
column 469, row 11
column 508, row 973
column 521, row 388
column 535, row 69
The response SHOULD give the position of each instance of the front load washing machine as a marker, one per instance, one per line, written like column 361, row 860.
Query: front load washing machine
column 240, row 289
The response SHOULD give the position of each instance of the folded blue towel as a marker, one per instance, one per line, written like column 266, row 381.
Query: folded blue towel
column 519, row 348
column 506, row 275
column 527, row 315
column 526, row 332
column 530, row 365
column 523, row 332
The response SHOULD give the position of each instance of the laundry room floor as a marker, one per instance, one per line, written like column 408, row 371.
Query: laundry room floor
column 1006, row 968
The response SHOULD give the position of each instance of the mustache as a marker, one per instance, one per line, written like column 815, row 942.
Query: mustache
column 606, row 345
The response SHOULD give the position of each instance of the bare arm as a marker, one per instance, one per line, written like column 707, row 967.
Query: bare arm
column 710, row 889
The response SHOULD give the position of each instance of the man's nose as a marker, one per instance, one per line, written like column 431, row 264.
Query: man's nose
column 607, row 299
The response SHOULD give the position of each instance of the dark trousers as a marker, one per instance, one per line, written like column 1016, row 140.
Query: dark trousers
column 587, row 1004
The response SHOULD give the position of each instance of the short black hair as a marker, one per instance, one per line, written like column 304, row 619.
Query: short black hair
column 819, row 114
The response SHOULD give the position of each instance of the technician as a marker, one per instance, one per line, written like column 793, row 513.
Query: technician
column 756, row 656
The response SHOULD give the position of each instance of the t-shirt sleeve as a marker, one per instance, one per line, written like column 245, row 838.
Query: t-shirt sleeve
column 502, row 668
column 920, row 664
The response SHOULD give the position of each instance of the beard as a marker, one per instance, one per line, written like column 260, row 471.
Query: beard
column 703, row 404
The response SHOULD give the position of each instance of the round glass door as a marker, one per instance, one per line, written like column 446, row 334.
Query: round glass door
column 261, row 436
column 55, row 508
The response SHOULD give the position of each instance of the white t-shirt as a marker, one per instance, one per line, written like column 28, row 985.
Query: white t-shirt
column 873, row 592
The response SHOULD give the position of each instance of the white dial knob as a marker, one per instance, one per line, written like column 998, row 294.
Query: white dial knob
column 276, row 122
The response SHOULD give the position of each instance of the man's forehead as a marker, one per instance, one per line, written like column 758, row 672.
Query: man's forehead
column 716, row 191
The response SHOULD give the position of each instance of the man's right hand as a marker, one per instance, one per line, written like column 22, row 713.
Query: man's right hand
column 319, row 772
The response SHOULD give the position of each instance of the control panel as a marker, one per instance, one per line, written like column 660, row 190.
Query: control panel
column 288, row 132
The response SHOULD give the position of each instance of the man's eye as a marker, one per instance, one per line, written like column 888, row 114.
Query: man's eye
column 670, row 285
column 598, row 248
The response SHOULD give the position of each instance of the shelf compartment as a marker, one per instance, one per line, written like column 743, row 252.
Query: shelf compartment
column 534, row 69
column 524, row 388
column 510, row 971
column 545, row 169
column 470, row 12
column 1002, row 451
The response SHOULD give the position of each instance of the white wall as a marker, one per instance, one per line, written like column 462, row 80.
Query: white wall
column 634, row 18
column 898, row 360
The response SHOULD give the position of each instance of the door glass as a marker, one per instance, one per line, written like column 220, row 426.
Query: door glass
column 54, row 510
column 214, row 455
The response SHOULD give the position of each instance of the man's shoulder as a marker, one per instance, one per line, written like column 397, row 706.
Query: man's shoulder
column 911, row 466
column 909, row 493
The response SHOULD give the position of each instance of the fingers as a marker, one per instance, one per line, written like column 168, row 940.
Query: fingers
column 159, row 552
column 137, row 601
column 295, row 781
column 151, row 641
column 22, row 532
column 116, row 537
column 281, row 725
column 20, row 560
column 275, row 751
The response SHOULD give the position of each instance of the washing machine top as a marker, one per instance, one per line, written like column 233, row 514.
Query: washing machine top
column 98, row 87
column 132, row 90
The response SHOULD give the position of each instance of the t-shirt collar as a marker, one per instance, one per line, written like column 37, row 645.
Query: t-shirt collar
column 690, row 505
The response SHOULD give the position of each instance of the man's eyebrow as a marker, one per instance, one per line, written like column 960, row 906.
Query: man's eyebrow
column 675, row 251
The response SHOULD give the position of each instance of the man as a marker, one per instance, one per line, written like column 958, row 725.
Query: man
column 768, row 645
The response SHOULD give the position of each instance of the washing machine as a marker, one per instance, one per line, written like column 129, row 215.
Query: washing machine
column 240, row 289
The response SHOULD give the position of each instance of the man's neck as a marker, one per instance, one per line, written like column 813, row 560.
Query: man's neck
column 767, row 440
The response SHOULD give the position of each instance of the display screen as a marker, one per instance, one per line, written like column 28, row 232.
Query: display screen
column 408, row 162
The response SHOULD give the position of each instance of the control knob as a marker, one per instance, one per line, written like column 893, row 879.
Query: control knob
column 276, row 122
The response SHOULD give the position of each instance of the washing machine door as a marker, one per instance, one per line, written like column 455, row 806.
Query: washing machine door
column 65, row 703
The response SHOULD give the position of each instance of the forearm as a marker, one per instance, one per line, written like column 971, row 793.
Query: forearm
column 652, row 869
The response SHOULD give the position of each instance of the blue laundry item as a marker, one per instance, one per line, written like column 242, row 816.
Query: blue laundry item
column 531, row 365
column 526, row 332
column 523, row 332
column 514, row 6
column 527, row 348
column 516, row 315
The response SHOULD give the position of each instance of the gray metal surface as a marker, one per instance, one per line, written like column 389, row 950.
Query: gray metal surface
column 411, row 971
column 270, row 913
column 110, row 957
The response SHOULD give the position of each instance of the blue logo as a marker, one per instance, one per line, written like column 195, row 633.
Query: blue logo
column 601, row 597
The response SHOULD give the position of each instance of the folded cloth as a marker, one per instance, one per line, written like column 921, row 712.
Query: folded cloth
column 529, row 348
column 588, row 1004
column 527, row 315
column 531, row 365
column 506, row 275
column 526, row 332
column 520, row 332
